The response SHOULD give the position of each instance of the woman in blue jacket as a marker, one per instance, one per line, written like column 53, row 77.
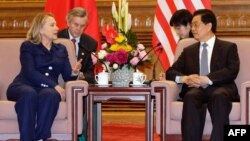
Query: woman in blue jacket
column 35, row 89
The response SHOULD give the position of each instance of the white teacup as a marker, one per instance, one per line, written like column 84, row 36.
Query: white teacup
column 102, row 78
column 139, row 78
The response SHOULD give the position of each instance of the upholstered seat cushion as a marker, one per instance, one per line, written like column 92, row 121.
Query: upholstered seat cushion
column 176, row 114
column 8, row 111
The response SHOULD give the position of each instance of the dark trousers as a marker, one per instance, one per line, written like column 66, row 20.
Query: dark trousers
column 196, row 101
column 36, row 110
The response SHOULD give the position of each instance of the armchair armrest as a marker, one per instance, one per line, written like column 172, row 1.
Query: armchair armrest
column 244, row 102
column 75, row 90
column 172, row 89
column 169, row 90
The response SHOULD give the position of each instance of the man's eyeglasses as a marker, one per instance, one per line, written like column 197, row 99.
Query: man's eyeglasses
column 196, row 24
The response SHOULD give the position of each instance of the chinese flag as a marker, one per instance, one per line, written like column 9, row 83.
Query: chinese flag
column 60, row 8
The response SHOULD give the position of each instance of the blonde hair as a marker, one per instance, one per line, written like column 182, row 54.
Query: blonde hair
column 33, row 33
column 78, row 12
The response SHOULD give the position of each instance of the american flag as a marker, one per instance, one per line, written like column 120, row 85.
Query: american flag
column 163, row 33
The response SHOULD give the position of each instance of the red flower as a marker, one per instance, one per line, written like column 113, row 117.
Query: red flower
column 109, row 33
column 111, row 57
column 121, row 57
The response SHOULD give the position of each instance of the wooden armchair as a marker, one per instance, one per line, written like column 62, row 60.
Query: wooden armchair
column 169, row 110
column 68, row 122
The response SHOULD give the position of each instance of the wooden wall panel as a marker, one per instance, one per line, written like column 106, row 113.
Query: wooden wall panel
column 233, row 16
column 16, row 16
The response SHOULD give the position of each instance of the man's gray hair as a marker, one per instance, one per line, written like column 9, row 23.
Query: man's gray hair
column 76, row 12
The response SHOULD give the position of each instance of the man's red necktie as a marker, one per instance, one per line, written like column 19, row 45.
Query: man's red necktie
column 74, row 42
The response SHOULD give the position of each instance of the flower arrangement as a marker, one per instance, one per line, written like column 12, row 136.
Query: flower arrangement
column 121, row 46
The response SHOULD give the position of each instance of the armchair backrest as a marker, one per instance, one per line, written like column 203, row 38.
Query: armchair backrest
column 10, row 63
column 243, row 45
column 70, row 48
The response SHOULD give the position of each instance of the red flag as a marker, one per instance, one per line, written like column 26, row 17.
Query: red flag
column 60, row 8
column 163, row 33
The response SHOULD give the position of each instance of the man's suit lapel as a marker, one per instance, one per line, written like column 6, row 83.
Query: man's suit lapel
column 65, row 33
column 82, row 43
column 197, row 58
column 82, row 48
column 215, row 55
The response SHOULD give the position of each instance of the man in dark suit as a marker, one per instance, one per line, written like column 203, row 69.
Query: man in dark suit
column 77, row 20
column 207, row 72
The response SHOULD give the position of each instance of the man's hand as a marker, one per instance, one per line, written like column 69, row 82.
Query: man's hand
column 204, row 81
column 191, row 80
column 195, row 80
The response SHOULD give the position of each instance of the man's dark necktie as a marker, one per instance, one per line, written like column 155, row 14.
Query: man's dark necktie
column 74, row 42
column 204, row 60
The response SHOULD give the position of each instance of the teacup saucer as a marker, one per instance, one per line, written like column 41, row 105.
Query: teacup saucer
column 103, row 85
column 138, row 85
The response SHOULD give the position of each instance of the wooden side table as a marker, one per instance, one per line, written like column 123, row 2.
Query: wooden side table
column 102, row 94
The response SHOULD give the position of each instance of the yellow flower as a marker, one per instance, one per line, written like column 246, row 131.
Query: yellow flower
column 128, row 48
column 120, row 39
column 114, row 47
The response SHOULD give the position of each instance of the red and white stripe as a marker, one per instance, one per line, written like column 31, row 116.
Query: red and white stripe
column 164, row 33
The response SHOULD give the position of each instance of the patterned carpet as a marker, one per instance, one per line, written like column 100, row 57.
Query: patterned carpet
column 123, row 117
column 129, row 126
column 125, row 132
column 124, row 126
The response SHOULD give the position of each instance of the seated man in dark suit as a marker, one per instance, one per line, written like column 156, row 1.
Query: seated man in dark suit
column 77, row 20
column 207, row 70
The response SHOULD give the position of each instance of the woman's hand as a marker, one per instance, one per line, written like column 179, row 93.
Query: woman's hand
column 61, row 91
column 77, row 67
